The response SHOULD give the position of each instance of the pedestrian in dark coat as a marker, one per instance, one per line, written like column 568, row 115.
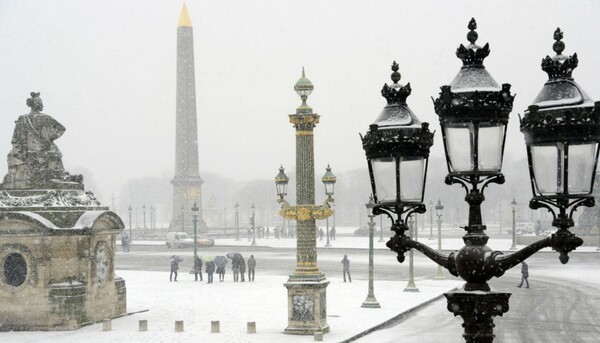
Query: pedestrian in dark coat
column 320, row 233
column 524, row 274
column 346, row 265
column 242, row 267
column 210, row 270
column 332, row 234
column 197, row 268
column 235, row 267
column 251, row 266
column 174, row 267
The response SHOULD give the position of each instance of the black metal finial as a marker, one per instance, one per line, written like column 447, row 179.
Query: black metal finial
column 472, row 35
column 558, row 46
column 472, row 54
column 395, row 74
column 396, row 93
column 559, row 66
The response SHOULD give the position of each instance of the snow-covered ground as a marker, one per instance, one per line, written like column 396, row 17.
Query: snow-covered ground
column 234, row 304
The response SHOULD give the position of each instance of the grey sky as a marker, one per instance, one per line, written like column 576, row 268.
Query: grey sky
column 106, row 70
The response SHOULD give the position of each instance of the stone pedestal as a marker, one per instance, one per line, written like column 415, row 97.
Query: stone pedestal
column 307, row 305
column 57, row 267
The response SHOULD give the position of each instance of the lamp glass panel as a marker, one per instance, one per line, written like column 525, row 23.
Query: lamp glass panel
column 548, row 168
column 581, row 167
column 281, row 187
column 329, row 187
column 412, row 173
column 491, row 137
column 384, row 174
column 438, row 212
column 459, row 144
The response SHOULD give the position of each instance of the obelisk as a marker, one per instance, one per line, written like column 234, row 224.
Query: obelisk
column 187, row 182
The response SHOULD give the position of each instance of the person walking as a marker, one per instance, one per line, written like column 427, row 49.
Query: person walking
column 242, row 268
column 125, row 242
column 221, row 262
column 249, row 235
column 346, row 269
column 251, row 266
column 332, row 233
column 235, row 267
column 174, row 267
column 197, row 268
column 210, row 269
column 320, row 233
column 524, row 274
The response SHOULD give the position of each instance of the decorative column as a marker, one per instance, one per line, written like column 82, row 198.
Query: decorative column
column 307, row 299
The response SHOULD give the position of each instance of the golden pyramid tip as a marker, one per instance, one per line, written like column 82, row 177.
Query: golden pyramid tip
column 184, row 18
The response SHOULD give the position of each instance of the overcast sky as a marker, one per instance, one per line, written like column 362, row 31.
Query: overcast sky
column 106, row 71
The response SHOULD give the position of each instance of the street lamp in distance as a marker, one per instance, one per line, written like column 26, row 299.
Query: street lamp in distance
column 195, row 220
column 252, row 223
column 371, row 301
column 329, row 180
column 130, row 212
column 237, row 221
column 513, row 206
column 439, row 208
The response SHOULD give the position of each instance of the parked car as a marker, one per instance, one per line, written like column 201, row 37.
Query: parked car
column 364, row 232
column 183, row 240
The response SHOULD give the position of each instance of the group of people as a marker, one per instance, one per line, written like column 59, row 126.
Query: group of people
column 331, row 234
column 217, row 265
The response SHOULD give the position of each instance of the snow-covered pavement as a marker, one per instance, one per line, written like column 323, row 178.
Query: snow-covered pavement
column 234, row 304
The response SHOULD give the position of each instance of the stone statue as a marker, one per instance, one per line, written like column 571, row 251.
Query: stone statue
column 35, row 162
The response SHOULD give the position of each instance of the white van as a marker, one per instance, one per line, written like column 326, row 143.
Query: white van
column 179, row 240
column 183, row 240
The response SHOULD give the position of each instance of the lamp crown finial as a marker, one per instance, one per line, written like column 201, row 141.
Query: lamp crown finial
column 473, row 54
column 559, row 66
column 396, row 93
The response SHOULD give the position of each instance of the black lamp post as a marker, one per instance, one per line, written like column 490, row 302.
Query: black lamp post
column 513, row 206
column 252, row 224
column 195, row 220
column 152, row 218
column 473, row 113
column 237, row 221
column 182, row 219
column 430, row 221
column 439, row 208
column 130, row 211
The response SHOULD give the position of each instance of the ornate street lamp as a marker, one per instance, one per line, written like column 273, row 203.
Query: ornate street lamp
column 252, row 217
column 307, row 286
column 195, row 220
column 329, row 183
column 237, row 221
column 562, row 132
column 439, row 208
column 397, row 149
column 513, row 206
column 371, row 301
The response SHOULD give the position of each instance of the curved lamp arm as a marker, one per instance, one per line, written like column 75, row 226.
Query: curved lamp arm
column 401, row 244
